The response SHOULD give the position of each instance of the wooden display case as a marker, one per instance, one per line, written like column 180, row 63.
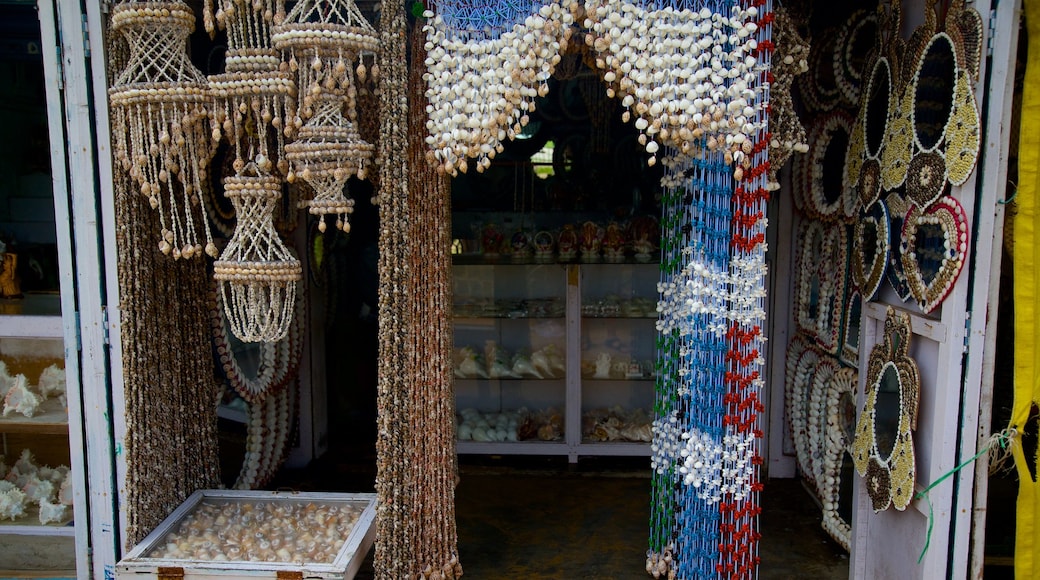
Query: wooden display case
column 147, row 559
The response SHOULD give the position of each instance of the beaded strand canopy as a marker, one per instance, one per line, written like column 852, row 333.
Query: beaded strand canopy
column 160, row 117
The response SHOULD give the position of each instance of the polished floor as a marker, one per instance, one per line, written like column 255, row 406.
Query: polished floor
column 542, row 518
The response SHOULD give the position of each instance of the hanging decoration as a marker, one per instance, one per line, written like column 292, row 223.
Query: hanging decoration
column 803, row 358
column 827, row 196
column 487, row 63
column 849, row 353
column 840, row 414
column 934, row 248
column 706, row 432
column 254, row 99
column 256, row 271
column 852, row 44
column 787, row 135
column 870, row 249
column 327, row 45
column 416, row 469
column 821, row 277
column 883, row 450
column 160, row 120
column 171, row 423
column 898, row 207
column 917, row 134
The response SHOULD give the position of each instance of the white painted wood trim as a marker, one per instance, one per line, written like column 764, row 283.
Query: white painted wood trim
column 976, row 419
column 81, row 146
column 56, row 135
column 572, row 413
column 106, row 181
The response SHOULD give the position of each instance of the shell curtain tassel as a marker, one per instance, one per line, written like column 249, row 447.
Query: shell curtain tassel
column 160, row 120
column 254, row 99
column 256, row 272
column 326, row 45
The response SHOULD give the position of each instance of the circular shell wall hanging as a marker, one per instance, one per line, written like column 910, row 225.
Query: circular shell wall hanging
column 851, row 50
column 933, row 91
column 870, row 249
column 802, row 361
column 934, row 248
column 849, row 353
column 820, row 279
column 818, row 420
column 883, row 450
column 835, row 494
column 828, row 197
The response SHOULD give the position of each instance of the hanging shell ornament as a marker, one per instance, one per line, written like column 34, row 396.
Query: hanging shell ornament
column 327, row 45
column 254, row 99
column 160, row 120
column 257, row 273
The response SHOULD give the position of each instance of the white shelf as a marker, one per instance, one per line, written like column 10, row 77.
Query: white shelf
column 29, row 525
column 635, row 337
column 35, row 316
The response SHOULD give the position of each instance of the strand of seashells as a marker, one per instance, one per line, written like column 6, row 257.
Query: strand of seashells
column 683, row 74
column 321, row 42
column 256, row 92
column 160, row 120
column 481, row 88
column 257, row 273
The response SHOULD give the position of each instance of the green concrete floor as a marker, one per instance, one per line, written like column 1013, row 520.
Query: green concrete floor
column 531, row 518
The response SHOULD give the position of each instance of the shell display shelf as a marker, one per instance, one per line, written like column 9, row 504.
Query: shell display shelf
column 291, row 535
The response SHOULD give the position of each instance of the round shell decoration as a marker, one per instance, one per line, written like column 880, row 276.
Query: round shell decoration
column 802, row 360
column 962, row 133
column 818, row 421
column 926, row 178
column 895, row 274
column 854, row 159
column 841, row 392
column 855, row 40
column 829, row 197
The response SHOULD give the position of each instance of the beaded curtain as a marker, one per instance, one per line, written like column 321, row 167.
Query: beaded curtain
column 415, row 481
column 693, row 76
column 171, row 422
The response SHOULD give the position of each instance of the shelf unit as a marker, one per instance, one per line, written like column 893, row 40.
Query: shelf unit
column 527, row 306
column 31, row 327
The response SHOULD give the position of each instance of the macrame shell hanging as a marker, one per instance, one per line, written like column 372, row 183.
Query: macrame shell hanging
column 256, row 272
column 325, row 44
column 255, row 98
column 160, row 120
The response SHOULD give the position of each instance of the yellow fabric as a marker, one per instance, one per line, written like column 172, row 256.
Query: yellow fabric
column 1026, row 260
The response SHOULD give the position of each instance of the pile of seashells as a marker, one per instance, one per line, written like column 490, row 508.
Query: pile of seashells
column 296, row 532
column 617, row 424
column 21, row 397
column 25, row 484
column 518, row 425
column 496, row 363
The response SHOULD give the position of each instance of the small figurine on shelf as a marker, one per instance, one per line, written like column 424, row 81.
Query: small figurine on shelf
column 567, row 244
column 491, row 241
column 614, row 244
column 645, row 231
column 10, row 284
column 543, row 247
column 522, row 249
column 591, row 241
column 603, row 364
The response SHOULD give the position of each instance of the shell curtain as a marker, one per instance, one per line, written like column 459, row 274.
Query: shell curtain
column 691, row 78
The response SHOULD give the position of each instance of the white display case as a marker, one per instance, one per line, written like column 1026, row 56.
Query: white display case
column 285, row 535
column 527, row 339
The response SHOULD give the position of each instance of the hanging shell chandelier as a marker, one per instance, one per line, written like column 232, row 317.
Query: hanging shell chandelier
column 257, row 273
column 254, row 100
column 325, row 45
column 160, row 120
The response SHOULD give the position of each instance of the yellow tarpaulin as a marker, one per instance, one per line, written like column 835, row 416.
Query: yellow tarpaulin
column 1027, row 302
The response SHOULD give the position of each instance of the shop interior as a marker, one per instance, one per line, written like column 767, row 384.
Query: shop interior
column 554, row 475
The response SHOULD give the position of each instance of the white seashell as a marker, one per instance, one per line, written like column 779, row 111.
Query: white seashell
column 52, row 381
column 19, row 399
column 51, row 513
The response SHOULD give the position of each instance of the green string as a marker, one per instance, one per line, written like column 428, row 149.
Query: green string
column 1002, row 438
